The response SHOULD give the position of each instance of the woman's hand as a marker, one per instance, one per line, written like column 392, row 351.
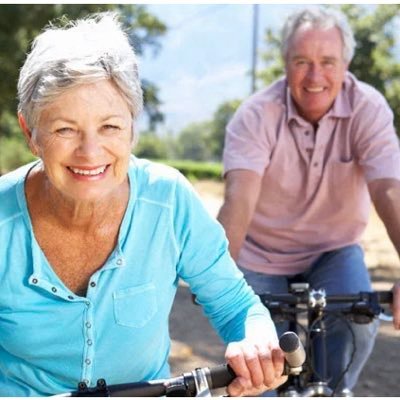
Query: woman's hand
column 259, row 367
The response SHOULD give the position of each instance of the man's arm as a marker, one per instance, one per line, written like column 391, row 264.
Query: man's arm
column 242, row 189
column 385, row 194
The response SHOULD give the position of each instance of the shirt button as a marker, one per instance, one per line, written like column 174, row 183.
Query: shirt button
column 53, row 289
column 71, row 297
column 92, row 284
column 88, row 362
column 88, row 325
column 89, row 342
column 315, row 164
column 119, row 261
column 306, row 133
column 35, row 281
column 87, row 303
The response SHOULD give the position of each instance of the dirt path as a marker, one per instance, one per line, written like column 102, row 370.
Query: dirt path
column 195, row 344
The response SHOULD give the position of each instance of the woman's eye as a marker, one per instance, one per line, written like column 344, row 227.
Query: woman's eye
column 65, row 131
column 110, row 129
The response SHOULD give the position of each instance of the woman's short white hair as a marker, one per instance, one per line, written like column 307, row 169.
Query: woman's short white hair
column 82, row 52
column 322, row 18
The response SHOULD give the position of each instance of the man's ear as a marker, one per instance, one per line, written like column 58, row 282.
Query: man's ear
column 28, row 135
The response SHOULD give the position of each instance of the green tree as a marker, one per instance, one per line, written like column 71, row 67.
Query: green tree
column 151, row 146
column 193, row 142
column 221, row 117
column 374, row 61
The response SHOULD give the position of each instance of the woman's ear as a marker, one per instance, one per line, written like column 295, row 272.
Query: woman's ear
column 28, row 135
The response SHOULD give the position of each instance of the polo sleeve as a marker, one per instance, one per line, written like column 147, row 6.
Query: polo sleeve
column 247, row 145
column 205, row 264
column 376, row 143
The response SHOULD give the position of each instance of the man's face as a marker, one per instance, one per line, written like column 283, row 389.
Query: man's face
column 315, row 70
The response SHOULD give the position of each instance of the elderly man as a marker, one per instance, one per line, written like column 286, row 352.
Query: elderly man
column 302, row 160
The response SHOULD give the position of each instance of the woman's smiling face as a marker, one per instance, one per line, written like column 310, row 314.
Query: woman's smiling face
column 84, row 138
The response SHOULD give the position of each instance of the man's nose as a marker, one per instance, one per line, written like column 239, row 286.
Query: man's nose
column 314, row 71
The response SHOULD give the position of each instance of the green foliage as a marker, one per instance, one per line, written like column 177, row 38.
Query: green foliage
column 195, row 170
column 151, row 146
column 9, row 126
column 151, row 104
column 14, row 153
column 272, row 59
column 204, row 141
column 192, row 142
column 374, row 61
column 221, row 117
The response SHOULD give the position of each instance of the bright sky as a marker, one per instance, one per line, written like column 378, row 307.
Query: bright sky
column 205, row 57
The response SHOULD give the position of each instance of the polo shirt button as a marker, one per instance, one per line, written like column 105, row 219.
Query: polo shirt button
column 53, row 289
column 92, row 284
column 89, row 342
column 35, row 281
column 88, row 362
column 71, row 297
column 88, row 325
column 119, row 261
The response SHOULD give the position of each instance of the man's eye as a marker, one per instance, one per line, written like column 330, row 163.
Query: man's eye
column 109, row 127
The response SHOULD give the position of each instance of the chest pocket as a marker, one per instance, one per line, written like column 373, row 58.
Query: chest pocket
column 135, row 306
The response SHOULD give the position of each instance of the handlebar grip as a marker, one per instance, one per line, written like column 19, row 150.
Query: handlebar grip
column 221, row 376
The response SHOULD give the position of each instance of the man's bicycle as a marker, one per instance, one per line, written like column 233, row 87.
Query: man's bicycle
column 306, row 309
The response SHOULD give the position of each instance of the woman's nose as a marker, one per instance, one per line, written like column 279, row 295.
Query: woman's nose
column 89, row 144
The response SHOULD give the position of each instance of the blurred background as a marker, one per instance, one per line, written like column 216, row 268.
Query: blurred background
column 197, row 63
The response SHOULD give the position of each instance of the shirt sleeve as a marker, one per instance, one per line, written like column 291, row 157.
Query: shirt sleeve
column 205, row 264
column 247, row 145
column 376, row 143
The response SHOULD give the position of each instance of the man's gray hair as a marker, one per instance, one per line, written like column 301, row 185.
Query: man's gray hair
column 84, row 51
column 322, row 18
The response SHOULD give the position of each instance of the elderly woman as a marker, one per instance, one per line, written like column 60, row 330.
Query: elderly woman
column 94, row 240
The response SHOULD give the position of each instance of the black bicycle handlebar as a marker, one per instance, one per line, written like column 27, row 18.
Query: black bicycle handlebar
column 360, row 307
column 382, row 297
column 184, row 385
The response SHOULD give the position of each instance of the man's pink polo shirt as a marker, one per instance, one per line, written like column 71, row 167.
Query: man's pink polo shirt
column 314, row 195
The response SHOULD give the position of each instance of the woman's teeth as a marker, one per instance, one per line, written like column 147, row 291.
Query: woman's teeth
column 90, row 172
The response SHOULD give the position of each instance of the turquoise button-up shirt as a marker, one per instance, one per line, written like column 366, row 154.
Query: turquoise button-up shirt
column 51, row 338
